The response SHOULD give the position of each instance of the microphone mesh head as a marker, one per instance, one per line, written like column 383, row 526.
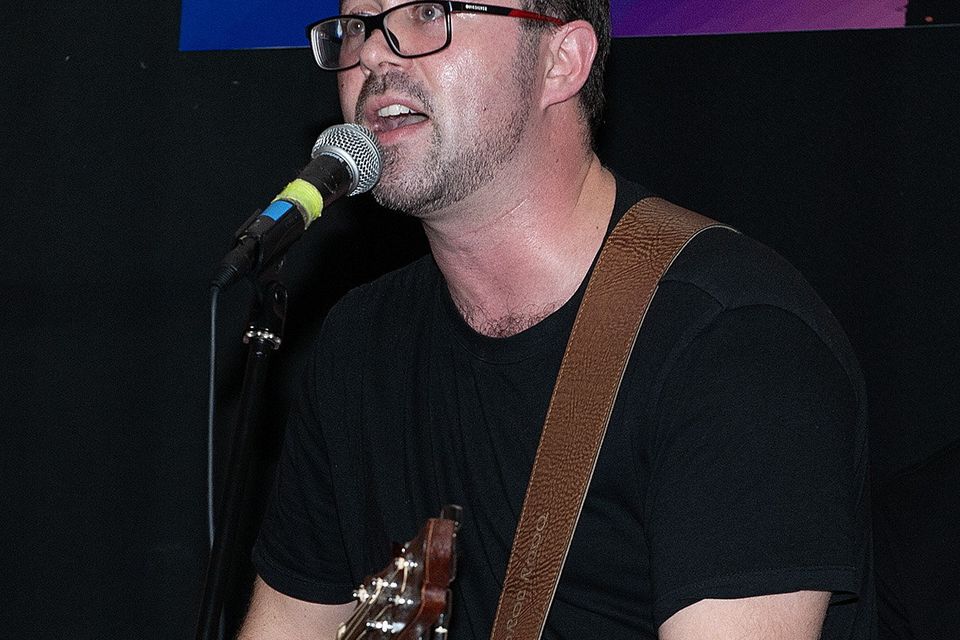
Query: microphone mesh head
column 358, row 148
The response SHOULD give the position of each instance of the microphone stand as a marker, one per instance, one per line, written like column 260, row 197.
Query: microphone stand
column 263, row 335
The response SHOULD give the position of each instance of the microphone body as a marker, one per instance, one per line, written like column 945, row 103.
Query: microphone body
column 346, row 161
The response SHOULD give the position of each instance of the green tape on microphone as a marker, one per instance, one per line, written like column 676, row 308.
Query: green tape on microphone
column 306, row 196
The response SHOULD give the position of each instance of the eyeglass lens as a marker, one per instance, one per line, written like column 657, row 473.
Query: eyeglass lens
column 412, row 29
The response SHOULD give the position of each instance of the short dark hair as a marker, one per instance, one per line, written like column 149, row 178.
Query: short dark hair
column 597, row 13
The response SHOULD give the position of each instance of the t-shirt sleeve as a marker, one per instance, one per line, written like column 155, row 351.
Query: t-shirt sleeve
column 758, row 471
column 300, row 549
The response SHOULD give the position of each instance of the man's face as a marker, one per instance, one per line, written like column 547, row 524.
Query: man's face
column 447, row 121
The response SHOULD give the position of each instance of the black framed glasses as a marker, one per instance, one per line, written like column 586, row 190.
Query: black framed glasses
column 412, row 29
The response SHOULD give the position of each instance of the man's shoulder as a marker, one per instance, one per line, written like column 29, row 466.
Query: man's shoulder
column 738, row 274
column 728, row 266
column 738, row 271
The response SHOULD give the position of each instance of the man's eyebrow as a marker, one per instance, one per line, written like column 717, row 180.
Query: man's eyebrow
column 354, row 10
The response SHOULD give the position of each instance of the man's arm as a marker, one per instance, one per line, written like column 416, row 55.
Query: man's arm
column 274, row 616
column 783, row 616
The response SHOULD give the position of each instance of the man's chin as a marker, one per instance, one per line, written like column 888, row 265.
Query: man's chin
column 400, row 195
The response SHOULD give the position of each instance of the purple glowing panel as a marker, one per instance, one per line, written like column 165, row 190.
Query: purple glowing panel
column 247, row 24
column 689, row 17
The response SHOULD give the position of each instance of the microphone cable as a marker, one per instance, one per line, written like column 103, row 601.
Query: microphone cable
column 211, row 410
column 211, row 403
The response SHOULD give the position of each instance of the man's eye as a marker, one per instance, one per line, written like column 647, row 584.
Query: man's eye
column 354, row 28
column 428, row 13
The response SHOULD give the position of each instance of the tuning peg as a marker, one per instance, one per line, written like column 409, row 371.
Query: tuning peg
column 443, row 621
column 452, row 512
column 385, row 626
column 361, row 594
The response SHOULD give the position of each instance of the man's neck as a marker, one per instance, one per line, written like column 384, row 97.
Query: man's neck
column 511, row 261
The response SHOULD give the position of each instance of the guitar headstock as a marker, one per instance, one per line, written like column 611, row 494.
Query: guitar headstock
column 410, row 598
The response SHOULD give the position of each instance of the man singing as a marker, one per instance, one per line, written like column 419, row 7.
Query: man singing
column 729, row 499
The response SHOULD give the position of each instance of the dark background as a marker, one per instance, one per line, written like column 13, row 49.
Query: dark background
column 127, row 165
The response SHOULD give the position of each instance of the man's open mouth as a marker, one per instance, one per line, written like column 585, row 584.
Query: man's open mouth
column 395, row 116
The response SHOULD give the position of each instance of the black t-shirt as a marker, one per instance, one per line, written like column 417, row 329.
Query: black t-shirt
column 734, row 463
column 918, row 555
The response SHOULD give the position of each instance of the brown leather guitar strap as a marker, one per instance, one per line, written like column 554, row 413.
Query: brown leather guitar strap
column 634, row 257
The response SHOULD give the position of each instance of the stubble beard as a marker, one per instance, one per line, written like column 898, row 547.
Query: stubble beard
column 448, row 172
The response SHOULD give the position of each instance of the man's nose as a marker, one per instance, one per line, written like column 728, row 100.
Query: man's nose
column 376, row 51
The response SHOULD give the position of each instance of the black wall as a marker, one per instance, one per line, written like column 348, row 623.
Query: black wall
column 127, row 165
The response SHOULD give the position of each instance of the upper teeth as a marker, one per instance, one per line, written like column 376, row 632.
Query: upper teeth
column 394, row 110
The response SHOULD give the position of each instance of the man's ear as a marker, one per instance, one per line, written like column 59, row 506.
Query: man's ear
column 571, row 49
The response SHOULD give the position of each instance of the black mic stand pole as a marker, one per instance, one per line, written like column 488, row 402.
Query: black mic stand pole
column 263, row 336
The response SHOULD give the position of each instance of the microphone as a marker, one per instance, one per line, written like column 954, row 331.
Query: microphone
column 346, row 160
